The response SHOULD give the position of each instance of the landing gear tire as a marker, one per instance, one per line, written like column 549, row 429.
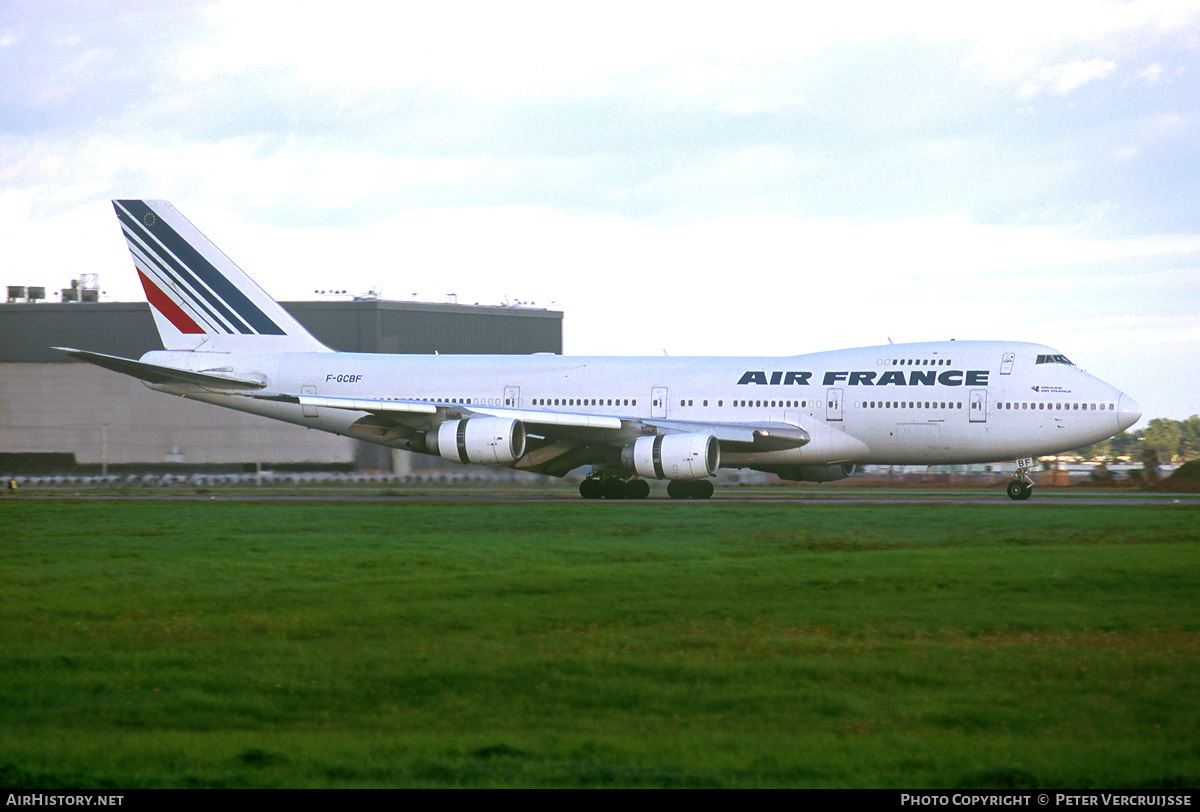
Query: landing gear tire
column 637, row 489
column 689, row 489
column 591, row 488
column 614, row 488
column 1019, row 490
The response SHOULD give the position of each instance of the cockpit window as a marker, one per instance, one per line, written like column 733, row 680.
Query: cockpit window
column 1054, row 359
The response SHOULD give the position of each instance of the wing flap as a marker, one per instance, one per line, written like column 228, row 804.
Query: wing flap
column 742, row 436
column 373, row 405
column 551, row 419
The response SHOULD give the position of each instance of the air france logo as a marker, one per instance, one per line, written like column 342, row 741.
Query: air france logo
column 893, row 377
column 777, row 377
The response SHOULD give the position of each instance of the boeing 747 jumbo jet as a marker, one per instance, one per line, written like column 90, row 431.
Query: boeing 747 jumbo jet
column 803, row 417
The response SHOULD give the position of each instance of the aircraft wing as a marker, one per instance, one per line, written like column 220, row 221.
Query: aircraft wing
column 153, row 373
column 401, row 409
column 558, row 442
column 398, row 408
column 731, row 436
column 555, row 425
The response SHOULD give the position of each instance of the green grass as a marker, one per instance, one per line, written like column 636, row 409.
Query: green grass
column 669, row 644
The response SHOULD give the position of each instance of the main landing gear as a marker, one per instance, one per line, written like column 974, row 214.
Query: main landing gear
column 599, row 486
column 690, row 488
column 1021, row 488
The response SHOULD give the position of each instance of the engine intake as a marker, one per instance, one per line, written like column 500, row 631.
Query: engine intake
column 481, row 440
column 673, row 456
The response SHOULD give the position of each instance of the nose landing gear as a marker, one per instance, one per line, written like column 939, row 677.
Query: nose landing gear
column 1021, row 488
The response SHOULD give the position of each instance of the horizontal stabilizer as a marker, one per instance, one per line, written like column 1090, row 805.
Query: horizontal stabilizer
column 153, row 373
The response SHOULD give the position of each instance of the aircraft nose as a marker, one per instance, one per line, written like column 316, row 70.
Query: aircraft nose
column 1128, row 412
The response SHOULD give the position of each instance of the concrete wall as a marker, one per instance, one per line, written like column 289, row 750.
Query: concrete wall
column 65, row 408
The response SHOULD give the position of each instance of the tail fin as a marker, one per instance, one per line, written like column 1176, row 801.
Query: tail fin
column 201, row 300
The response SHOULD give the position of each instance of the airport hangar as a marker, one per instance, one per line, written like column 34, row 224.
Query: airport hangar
column 52, row 406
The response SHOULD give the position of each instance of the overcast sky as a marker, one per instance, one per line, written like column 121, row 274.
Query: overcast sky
column 700, row 178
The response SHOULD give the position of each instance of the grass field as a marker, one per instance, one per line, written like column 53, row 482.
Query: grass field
column 231, row 644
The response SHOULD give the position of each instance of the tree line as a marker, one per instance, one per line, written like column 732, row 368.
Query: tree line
column 1167, row 440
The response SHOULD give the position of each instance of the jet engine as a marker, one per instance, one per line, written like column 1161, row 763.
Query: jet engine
column 481, row 440
column 813, row 473
column 673, row 456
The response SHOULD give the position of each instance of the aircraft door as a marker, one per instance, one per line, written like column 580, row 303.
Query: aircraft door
column 833, row 404
column 1006, row 363
column 978, row 405
column 658, row 401
column 512, row 396
column 309, row 411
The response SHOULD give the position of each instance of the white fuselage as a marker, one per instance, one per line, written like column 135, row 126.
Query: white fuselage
column 938, row 402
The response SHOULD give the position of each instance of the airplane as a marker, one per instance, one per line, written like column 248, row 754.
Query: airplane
column 813, row 418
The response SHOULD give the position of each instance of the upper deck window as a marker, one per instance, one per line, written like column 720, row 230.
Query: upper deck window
column 1054, row 359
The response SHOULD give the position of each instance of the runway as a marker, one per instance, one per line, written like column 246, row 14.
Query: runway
column 549, row 495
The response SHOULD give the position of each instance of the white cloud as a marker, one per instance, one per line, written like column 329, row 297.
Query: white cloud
column 1063, row 79
column 1078, row 73
column 531, row 48
column 1152, row 75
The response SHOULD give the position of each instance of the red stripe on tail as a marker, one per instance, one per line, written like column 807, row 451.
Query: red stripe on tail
column 163, row 303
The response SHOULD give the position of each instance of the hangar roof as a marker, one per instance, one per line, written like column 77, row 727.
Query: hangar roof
column 28, row 331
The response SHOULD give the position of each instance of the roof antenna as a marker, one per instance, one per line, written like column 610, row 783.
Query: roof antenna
column 890, row 340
